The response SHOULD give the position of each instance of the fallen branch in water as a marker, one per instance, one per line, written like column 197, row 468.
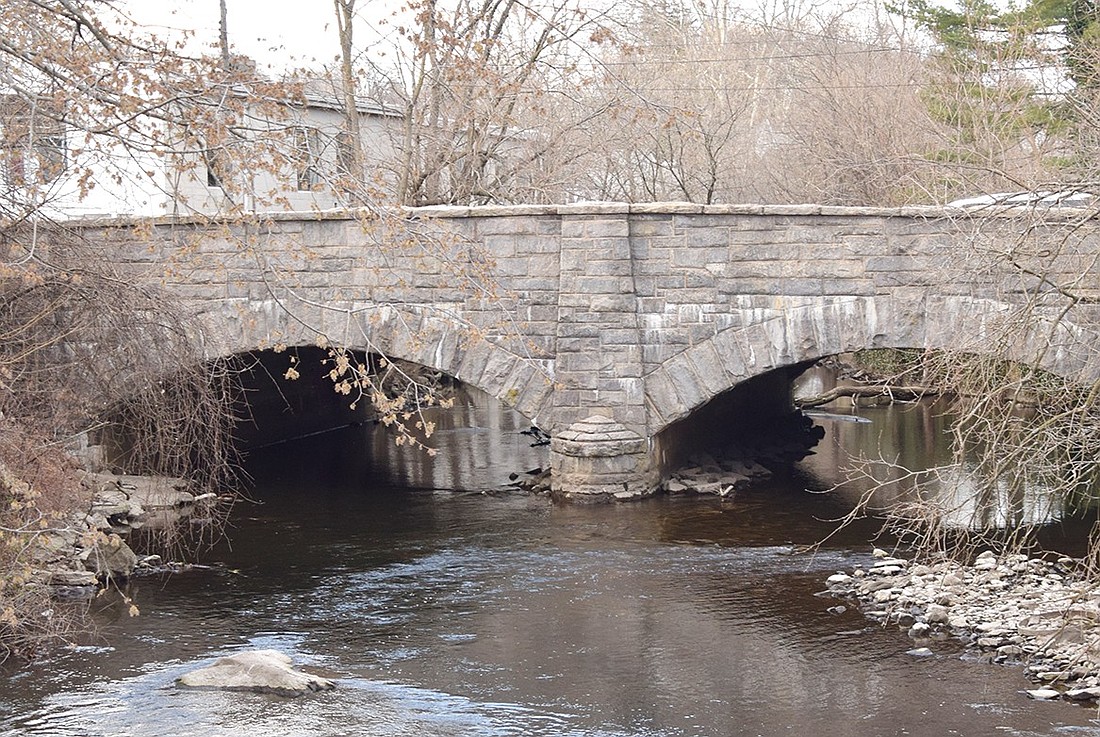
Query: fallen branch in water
column 895, row 393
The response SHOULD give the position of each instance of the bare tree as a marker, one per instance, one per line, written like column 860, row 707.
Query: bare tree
column 352, row 143
column 87, row 99
column 469, row 78
column 678, row 117
column 855, row 128
column 713, row 108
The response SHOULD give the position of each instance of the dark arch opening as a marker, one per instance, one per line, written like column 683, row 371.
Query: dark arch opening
column 753, row 420
column 289, row 394
column 310, row 434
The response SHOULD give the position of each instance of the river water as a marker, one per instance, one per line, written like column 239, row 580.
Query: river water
column 444, row 612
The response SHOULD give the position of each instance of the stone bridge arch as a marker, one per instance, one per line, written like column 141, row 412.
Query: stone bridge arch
column 416, row 336
column 636, row 314
column 807, row 331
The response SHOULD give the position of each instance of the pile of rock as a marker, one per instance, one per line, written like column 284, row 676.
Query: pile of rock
column 722, row 477
column 91, row 547
column 534, row 481
column 1014, row 609
column 121, row 504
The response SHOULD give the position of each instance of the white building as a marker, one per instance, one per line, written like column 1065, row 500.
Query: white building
column 67, row 174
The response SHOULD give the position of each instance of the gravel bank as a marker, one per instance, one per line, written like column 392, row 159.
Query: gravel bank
column 1040, row 613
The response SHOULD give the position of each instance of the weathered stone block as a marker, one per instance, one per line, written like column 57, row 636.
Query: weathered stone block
column 611, row 303
column 604, row 267
column 688, row 386
column 474, row 357
column 591, row 285
column 615, row 232
column 704, row 280
column 501, row 246
column 739, row 251
column 894, row 264
column 593, row 209
column 589, row 363
column 667, row 207
column 828, row 269
column 669, row 282
column 651, row 226
column 698, row 256
column 513, row 224
column 614, row 337
column 498, row 369
column 708, row 367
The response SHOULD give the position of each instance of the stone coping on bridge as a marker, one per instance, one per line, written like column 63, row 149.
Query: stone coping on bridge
column 581, row 209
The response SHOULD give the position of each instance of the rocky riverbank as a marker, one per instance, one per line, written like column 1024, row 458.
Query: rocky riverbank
column 90, row 546
column 703, row 475
column 1040, row 613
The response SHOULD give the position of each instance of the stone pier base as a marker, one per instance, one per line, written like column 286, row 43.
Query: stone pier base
column 597, row 459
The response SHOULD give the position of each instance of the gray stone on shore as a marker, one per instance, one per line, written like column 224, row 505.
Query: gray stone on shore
column 131, row 502
column 1014, row 607
column 1083, row 694
column 936, row 614
column 93, row 538
column 919, row 630
column 256, row 671
column 73, row 578
column 707, row 479
column 110, row 558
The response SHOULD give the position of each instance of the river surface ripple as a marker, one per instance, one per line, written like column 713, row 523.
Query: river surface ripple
column 449, row 613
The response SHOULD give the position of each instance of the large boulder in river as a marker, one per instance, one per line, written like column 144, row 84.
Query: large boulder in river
column 259, row 671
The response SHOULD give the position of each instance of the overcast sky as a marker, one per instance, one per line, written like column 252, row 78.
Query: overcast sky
column 281, row 33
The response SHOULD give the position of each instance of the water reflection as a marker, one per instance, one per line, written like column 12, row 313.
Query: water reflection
column 504, row 615
column 902, row 452
column 482, row 441
column 443, row 613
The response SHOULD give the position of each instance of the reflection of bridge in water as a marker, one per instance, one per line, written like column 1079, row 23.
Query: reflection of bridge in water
column 904, row 454
column 617, row 323
column 483, row 446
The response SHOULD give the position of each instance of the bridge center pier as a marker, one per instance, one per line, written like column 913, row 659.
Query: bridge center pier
column 598, row 459
column 600, row 445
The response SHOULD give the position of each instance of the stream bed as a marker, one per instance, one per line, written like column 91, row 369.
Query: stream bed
column 469, row 609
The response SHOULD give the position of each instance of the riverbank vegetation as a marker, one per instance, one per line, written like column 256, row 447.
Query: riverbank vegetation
column 60, row 386
column 1021, row 439
column 83, row 349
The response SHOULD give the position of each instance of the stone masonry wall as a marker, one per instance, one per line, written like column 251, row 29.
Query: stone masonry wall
column 612, row 313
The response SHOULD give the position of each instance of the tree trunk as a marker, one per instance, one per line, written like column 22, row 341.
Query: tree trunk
column 353, row 152
column 903, row 393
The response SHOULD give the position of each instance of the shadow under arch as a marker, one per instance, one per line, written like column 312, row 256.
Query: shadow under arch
column 308, row 431
column 501, row 367
column 274, row 408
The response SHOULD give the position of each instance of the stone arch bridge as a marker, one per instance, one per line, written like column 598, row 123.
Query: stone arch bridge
column 607, row 324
